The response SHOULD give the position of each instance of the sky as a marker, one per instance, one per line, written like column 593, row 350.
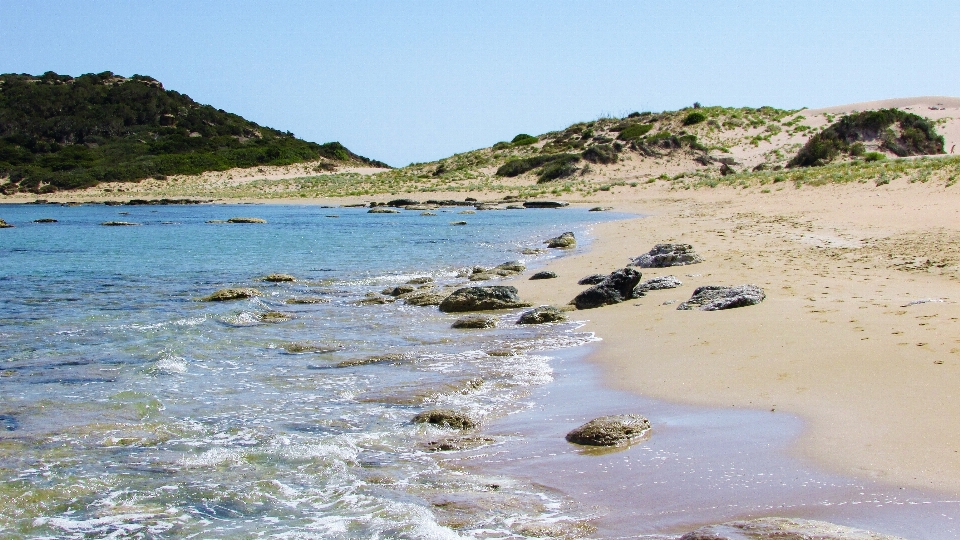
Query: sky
column 417, row 81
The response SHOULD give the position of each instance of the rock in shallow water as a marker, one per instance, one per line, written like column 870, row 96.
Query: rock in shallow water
column 610, row 430
column 445, row 418
column 232, row 294
column 614, row 289
column 774, row 528
column 656, row 284
column 565, row 240
column 246, row 220
column 475, row 321
column 279, row 278
column 119, row 224
column 664, row 255
column 541, row 315
column 717, row 297
column 5, row 225
column 482, row 299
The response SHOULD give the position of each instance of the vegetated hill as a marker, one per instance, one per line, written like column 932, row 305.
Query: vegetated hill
column 59, row 132
column 899, row 132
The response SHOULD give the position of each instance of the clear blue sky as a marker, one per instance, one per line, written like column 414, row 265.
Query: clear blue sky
column 417, row 81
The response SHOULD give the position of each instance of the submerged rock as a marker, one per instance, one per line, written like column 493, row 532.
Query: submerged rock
column 717, row 297
column 776, row 528
column 616, row 288
column 246, row 220
column 592, row 280
column 279, row 278
column 382, row 210
column 427, row 214
column 458, row 222
column 482, row 299
column 542, row 314
column 307, row 300
column 564, row 241
column 445, row 418
column 664, row 255
column 305, row 347
column 389, row 358
column 275, row 317
column 119, row 224
column 373, row 299
column 420, row 280
column 425, row 298
column 475, row 321
column 546, row 274
column 398, row 290
column 236, row 293
column 42, row 220
column 656, row 284
column 454, row 444
column 610, row 430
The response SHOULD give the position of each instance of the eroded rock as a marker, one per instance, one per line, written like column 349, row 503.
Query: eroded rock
column 612, row 430
column 5, row 225
column 592, row 280
column 445, row 418
column 482, row 299
column 616, row 288
column 234, row 293
column 119, row 224
column 546, row 274
column 656, row 284
column 541, row 315
column 475, row 321
column 664, row 255
column 776, row 528
column 564, row 241
column 279, row 278
column 246, row 220
column 717, row 297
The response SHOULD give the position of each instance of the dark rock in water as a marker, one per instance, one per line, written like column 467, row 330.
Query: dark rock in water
column 307, row 300
column 420, row 280
column 389, row 358
column 246, row 220
column 466, row 212
column 373, row 299
column 592, row 280
column 545, row 204
column 475, row 321
column 44, row 220
column 445, row 418
column 565, row 240
column 600, row 209
column 482, row 299
column 279, row 278
column 425, row 298
column 716, row 297
column 399, row 203
column 119, row 224
column 481, row 276
column 513, row 266
column 454, row 444
column 232, row 294
column 381, row 210
column 616, row 288
column 5, row 225
column 216, row 221
column 427, row 214
column 305, row 347
column 664, row 255
column 458, row 222
column 775, row 528
column 610, row 430
column 546, row 274
column 8, row 422
column 275, row 317
column 656, row 284
column 397, row 291
column 542, row 314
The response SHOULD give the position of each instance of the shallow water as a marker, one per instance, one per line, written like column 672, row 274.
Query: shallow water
column 129, row 409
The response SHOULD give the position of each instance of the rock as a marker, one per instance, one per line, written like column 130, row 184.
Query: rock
column 374, row 299
column 332, row 216
column 776, row 528
column 481, row 276
column 389, row 358
column 616, row 288
column 600, row 209
column 458, row 222
column 466, row 212
column 542, row 314
column 306, row 347
column 445, row 418
column 278, row 278
column 453, row 444
column 716, row 297
column 475, row 321
column 216, row 221
column 486, row 206
column 515, row 207
column 508, row 268
column 237, row 293
column 423, row 207
column 420, row 280
column 656, row 284
column 307, row 300
column 664, row 255
column 545, row 204
column 546, row 274
column 501, row 352
column 275, row 317
column 119, row 224
column 397, row 203
column 427, row 214
column 592, row 280
column 726, row 170
column 246, row 220
column 5, row 225
column 610, row 430
column 425, row 298
column 565, row 240
column 532, row 251
column 482, row 299
column 399, row 290
column 43, row 220
column 382, row 210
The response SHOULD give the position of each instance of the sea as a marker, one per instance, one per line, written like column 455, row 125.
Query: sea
column 129, row 408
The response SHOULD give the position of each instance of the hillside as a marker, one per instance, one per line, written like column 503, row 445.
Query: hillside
column 59, row 132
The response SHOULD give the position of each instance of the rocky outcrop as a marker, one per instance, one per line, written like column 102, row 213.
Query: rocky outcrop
column 717, row 297
column 246, row 220
column 420, row 280
column 278, row 278
column 382, row 210
column 482, row 299
column 398, row 290
column 5, row 225
column 427, row 297
column 458, row 222
column 541, row 315
column 508, row 268
column 454, row 444
column 592, row 280
column 656, row 284
column 564, row 241
column 374, row 299
column 236, row 293
column 613, row 430
column 664, row 255
column 545, row 204
column 775, row 528
column 42, row 220
column 119, row 224
column 616, row 288
column 399, row 203
column 445, row 418
column 475, row 321
column 275, row 317
column 546, row 274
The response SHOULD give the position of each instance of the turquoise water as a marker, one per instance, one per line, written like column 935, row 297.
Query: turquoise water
column 130, row 409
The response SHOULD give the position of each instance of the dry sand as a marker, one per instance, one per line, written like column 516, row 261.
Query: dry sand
column 835, row 342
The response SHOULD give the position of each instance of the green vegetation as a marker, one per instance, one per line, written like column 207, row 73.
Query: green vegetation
column 60, row 132
column 516, row 167
column 600, row 153
column 560, row 168
column 523, row 139
column 914, row 135
column 694, row 118
column 635, row 131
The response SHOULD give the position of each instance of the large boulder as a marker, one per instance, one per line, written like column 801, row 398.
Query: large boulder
column 656, row 284
column 564, row 241
column 616, row 288
column 475, row 321
column 542, row 314
column 399, row 203
column 235, row 293
column 445, row 418
column 398, row 290
column 545, row 204
column 776, row 528
column 482, row 299
column 594, row 279
column 664, row 255
column 508, row 268
column 610, row 430
column 716, row 297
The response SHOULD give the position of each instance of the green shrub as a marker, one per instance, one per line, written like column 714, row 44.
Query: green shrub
column 600, row 153
column 523, row 139
column 694, row 117
column 557, row 169
column 516, row 167
column 874, row 156
column 635, row 131
column 857, row 149
column 501, row 145
column 634, row 114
